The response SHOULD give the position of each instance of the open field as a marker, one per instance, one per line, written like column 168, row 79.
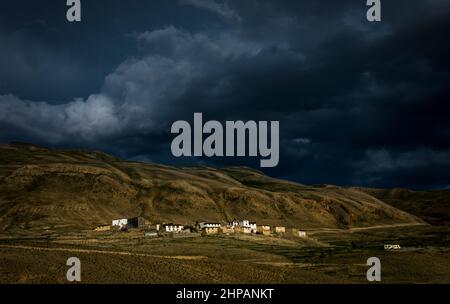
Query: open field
column 330, row 256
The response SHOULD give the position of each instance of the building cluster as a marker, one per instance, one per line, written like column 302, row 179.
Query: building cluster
column 206, row 228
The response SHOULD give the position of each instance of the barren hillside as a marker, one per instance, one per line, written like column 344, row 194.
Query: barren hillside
column 431, row 206
column 50, row 189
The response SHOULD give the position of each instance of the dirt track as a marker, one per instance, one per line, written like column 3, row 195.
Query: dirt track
column 75, row 250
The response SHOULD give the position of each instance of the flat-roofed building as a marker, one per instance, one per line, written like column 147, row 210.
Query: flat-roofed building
column 209, row 225
column 280, row 229
column 227, row 230
column 173, row 227
column 264, row 229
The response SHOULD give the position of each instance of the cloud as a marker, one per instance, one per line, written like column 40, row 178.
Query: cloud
column 379, row 161
column 177, row 44
column 77, row 120
column 141, row 95
column 358, row 103
column 419, row 168
column 220, row 8
column 302, row 141
column 151, row 88
column 24, row 60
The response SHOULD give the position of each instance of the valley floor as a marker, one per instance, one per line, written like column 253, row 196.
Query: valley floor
column 328, row 256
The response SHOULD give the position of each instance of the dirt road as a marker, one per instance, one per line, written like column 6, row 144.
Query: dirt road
column 77, row 250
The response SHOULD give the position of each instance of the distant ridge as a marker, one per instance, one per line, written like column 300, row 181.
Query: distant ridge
column 431, row 206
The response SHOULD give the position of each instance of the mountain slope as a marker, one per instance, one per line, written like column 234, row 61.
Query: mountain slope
column 431, row 206
column 43, row 188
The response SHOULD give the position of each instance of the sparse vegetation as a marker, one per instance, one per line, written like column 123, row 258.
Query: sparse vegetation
column 51, row 200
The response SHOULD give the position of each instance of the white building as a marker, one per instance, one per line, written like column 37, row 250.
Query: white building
column 280, row 229
column 253, row 227
column 233, row 224
column 120, row 223
column 244, row 223
column 135, row 222
column 244, row 226
column 204, row 225
column 302, row 234
column 173, row 227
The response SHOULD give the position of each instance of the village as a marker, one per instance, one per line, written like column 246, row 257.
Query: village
column 198, row 228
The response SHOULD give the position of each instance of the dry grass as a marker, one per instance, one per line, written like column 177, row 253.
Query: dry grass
column 335, row 257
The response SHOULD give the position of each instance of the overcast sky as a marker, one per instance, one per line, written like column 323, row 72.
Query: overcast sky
column 359, row 103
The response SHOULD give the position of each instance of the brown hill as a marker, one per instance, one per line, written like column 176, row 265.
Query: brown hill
column 431, row 206
column 50, row 189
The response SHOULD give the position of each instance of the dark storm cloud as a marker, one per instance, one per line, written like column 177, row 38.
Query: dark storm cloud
column 359, row 103
column 220, row 8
